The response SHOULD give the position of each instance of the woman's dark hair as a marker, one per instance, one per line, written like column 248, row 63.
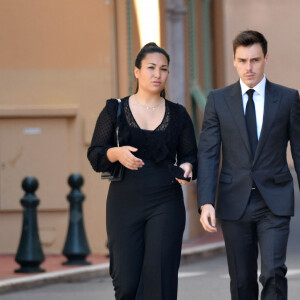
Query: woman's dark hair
column 248, row 38
column 150, row 48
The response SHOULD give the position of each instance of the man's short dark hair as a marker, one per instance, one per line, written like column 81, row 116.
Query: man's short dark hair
column 248, row 38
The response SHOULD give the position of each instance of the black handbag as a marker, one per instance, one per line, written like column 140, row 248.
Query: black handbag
column 117, row 170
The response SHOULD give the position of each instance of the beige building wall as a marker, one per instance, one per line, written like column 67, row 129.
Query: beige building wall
column 279, row 22
column 57, row 67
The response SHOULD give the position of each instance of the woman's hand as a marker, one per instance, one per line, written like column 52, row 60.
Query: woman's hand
column 125, row 157
column 188, row 172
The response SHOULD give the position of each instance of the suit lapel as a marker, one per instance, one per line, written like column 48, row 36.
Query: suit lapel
column 272, row 101
column 235, row 105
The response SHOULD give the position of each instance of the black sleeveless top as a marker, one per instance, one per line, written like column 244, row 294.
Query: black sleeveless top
column 173, row 139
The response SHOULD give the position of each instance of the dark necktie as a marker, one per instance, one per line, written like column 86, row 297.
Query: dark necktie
column 251, row 121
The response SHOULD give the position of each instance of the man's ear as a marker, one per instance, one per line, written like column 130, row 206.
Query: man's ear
column 267, row 58
column 234, row 62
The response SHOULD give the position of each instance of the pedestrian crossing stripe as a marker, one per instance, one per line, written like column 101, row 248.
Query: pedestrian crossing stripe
column 190, row 274
column 293, row 272
column 290, row 272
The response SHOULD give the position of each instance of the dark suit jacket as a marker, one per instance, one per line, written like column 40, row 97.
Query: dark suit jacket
column 224, row 131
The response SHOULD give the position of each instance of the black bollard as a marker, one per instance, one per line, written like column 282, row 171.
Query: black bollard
column 76, row 247
column 30, row 254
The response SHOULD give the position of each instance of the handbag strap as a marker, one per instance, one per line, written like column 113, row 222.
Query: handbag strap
column 118, row 116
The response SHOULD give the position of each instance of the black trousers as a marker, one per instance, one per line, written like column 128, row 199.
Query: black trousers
column 145, row 224
column 258, row 227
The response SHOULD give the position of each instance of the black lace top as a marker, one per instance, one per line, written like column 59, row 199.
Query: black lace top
column 173, row 140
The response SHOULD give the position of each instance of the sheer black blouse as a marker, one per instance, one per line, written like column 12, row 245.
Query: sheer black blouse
column 173, row 140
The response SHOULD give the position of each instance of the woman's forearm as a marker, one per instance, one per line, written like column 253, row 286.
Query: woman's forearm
column 113, row 154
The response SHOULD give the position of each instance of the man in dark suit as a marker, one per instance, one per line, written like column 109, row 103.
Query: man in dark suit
column 250, row 123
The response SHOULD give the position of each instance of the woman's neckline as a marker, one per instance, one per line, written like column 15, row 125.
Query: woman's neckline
column 139, row 127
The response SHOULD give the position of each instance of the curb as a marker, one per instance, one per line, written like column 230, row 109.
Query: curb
column 70, row 275
column 100, row 270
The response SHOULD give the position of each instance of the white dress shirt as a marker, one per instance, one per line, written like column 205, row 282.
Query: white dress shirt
column 259, row 101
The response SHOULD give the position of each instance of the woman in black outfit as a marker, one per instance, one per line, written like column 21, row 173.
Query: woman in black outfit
column 145, row 211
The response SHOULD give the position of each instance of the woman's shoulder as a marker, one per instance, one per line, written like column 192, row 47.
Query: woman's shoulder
column 112, row 102
column 112, row 105
column 177, row 108
column 115, row 101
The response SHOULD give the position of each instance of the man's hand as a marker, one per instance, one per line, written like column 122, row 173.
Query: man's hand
column 207, row 218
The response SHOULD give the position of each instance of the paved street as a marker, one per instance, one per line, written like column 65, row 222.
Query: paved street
column 203, row 279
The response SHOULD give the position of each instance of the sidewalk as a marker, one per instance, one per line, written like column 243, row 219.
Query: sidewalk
column 206, row 245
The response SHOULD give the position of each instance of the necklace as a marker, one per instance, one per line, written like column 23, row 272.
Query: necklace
column 147, row 106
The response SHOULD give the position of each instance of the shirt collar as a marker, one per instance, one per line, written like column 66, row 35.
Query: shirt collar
column 259, row 88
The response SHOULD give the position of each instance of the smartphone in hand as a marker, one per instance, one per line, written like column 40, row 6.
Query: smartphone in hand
column 177, row 172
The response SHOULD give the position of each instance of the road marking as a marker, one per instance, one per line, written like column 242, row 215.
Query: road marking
column 190, row 274
column 202, row 248
column 291, row 272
